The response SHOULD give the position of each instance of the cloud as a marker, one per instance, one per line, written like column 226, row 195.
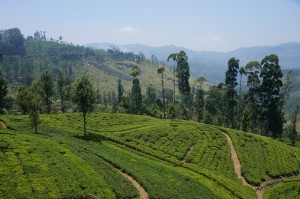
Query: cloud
column 213, row 38
column 130, row 29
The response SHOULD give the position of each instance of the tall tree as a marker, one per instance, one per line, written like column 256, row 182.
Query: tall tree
column 84, row 96
column 3, row 91
column 271, row 85
column 199, row 98
column 136, row 95
column 231, row 94
column 182, row 74
column 34, row 108
column 62, row 83
column 161, row 71
column 24, row 98
column 45, row 85
column 287, row 86
column 294, row 132
column 120, row 90
column 242, row 72
column 215, row 104
column 253, row 108
column 150, row 94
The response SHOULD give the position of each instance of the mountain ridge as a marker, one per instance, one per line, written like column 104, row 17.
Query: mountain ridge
column 212, row 64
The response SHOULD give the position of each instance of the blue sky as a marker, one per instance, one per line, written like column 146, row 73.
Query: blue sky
column 214, row 25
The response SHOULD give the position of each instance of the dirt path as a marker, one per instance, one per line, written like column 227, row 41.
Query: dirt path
column 188, row 153
column 236, row 162
column 142, row 191
column 237, row 168
column 2, row 124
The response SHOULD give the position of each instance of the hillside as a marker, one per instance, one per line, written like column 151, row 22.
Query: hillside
column 104, row 68
column 213, row 65
column 167, row 159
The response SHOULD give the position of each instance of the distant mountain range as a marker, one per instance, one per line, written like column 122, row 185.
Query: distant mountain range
column 212, row 65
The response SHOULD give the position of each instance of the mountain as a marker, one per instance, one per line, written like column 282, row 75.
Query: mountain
column 213, row 65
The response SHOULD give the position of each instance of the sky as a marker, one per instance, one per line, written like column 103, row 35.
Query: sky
column 203, row 25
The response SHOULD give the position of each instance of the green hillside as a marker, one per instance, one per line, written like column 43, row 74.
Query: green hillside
column 169, row 159
column 104, row 68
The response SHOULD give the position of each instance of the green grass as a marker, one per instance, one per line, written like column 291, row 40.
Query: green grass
column 262, row 156
column 287, row 189
column 32, row 167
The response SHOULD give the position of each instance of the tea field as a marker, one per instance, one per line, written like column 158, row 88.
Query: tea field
column 178, row 159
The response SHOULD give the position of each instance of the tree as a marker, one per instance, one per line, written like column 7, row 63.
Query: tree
column 34, row 107
column 62, row 83
column 135, row 71
column 242, row 72
column 84, row 97
column 294, row 132
column 136, row 95
column 150, row 94
column 182, row 74
column 270, row 88
column 215, row 105
column 230, row 84
column 45, row 85
column 253, row 96
column 287, row 86
column 173, row 112
column 199, row 98
column 24, row 98
column 3, row 91
column 161, row 71
column 120, row 90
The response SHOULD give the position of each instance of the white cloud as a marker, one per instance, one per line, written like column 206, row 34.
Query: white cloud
column 214, row 38
column 130, row 29
column 209, row 38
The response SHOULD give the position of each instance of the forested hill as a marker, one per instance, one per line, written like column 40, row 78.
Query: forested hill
column 23, row 61
column 213, row 65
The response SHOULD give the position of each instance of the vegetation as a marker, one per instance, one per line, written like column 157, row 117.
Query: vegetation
column 84, row 96
column 3, row 91
column 231, row 93
column 288, row 189
column 105, row 149
column 262, row 157
column 169, row 158
column 33, row 167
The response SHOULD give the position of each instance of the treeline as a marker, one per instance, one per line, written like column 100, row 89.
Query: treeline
column 259, row 109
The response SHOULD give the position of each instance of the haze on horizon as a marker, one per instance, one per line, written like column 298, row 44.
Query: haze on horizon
column 213, row 25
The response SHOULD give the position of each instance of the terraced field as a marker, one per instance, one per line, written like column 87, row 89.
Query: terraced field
column 179, row 160
column 262, row 157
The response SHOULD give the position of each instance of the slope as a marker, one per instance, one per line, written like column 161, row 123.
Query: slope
column 178, row 159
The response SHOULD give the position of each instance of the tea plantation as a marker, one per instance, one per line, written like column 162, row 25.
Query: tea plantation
column 179, row 159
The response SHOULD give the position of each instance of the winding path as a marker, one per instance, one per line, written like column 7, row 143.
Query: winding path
column 141, row 190
column 237, row 168
column 236, row 162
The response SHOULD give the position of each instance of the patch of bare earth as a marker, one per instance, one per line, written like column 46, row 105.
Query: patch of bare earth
column 188, row 153
column 141, row 190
